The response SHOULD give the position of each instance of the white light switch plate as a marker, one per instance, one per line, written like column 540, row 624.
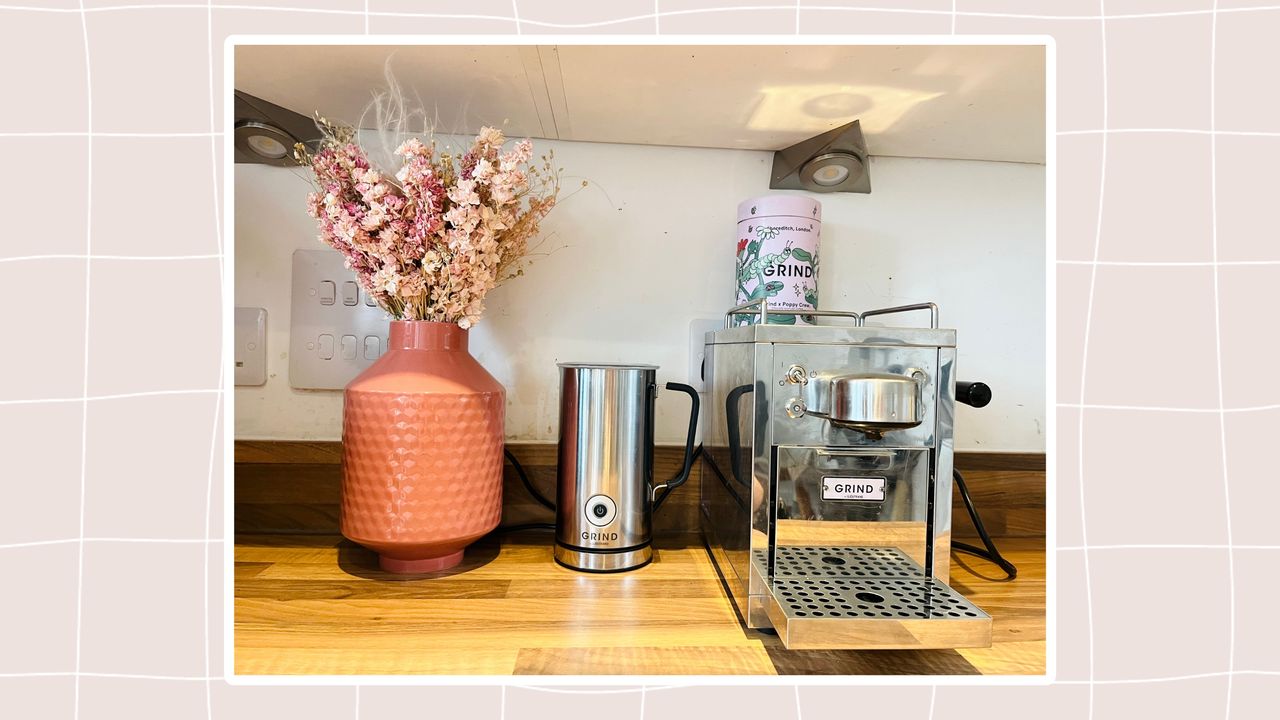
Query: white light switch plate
column 698, row 329
column 335, row 328
column 251, row 346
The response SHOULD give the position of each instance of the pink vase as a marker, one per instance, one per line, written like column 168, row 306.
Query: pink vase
column 422, row 438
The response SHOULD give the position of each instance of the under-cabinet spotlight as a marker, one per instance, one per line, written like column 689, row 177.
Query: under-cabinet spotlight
column 265, row 133
column 268, row 143
column 835, row 161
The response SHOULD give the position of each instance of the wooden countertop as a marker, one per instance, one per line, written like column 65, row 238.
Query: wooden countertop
column 317, row 604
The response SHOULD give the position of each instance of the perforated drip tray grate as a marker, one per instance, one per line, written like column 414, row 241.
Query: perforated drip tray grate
column 860, row 582
column 839, row 561
column 870, row 599
column 829, row 597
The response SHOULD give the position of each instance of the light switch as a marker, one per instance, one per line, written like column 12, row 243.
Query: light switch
column 251, row 346
column 326, row 299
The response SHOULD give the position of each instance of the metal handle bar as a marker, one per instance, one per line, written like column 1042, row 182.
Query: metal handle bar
column 931, row 307
column 765, row 312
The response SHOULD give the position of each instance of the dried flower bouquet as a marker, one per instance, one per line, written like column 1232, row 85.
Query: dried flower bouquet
column 431, row 241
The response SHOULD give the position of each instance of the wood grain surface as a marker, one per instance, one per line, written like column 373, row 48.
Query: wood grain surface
column 317, row 604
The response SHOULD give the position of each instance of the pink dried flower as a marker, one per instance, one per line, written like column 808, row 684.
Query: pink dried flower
column 432, row 244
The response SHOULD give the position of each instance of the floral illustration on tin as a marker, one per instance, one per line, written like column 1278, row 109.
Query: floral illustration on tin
column 754, row 269
column 808, row 292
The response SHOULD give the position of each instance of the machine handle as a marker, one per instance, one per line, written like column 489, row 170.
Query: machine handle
column 765, row 312
column 858, row 318
column 741, row 310
column 931, row 307
column 974, row 394
column 680, row 479
column 731, row 415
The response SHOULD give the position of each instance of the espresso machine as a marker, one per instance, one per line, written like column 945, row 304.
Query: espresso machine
column 826, row 479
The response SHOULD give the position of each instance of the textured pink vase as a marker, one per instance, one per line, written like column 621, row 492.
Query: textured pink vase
column 422, row 437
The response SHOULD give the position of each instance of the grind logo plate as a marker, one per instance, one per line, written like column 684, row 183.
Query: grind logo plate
column 853, row 488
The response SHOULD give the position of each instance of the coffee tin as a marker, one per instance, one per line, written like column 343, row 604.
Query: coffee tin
column 777, row 254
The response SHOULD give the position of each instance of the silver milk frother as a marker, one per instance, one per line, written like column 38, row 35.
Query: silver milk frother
column 605, row 491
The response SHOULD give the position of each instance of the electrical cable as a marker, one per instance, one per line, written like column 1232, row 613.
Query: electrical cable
column 528, row 485
column 524, row 526
column 991, row 553
column 525, row 479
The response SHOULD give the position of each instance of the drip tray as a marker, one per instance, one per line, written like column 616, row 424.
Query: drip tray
column 842, row 562
column 866, row 598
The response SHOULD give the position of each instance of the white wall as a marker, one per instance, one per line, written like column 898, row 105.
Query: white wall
column 649, row 246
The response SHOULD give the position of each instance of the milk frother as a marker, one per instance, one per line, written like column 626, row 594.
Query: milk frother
column 605, row 490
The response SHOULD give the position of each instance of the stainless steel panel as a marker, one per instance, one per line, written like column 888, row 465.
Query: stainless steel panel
column 945, row 400
column 728, row 489
column 898, row 521
column 762, row 463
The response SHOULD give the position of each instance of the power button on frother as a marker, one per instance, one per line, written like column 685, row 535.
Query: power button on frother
column 600, row 510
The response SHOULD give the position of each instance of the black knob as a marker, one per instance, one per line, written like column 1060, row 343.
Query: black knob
column 600, row 510
column 973, row 393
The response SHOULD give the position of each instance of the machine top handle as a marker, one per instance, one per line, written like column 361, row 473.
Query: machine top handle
column 931, row 307
column 765, row 312
column 858, row 318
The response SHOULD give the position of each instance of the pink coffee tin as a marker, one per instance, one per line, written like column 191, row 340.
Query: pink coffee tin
column 777, row 254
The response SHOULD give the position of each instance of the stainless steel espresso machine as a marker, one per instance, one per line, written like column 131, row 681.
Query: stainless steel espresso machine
column 826, row 483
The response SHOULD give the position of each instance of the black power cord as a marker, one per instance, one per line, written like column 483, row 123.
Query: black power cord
column 524, row 526
column 990, row 553
column 978, row 394
column 525, row 479
column 533, row 491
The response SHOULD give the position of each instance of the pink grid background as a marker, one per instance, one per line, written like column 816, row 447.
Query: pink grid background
column 1168, row 270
